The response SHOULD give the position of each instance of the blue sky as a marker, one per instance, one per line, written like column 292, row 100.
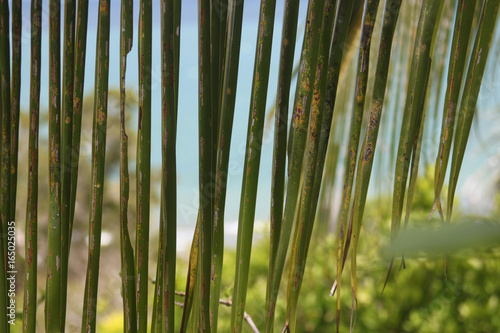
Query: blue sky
column 187, row 157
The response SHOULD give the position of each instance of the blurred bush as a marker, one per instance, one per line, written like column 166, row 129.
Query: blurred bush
column 417, row 299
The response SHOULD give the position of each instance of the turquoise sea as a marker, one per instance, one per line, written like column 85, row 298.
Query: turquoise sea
column 187, row 141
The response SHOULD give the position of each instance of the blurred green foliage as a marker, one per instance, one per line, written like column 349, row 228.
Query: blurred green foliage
column 417, row 299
